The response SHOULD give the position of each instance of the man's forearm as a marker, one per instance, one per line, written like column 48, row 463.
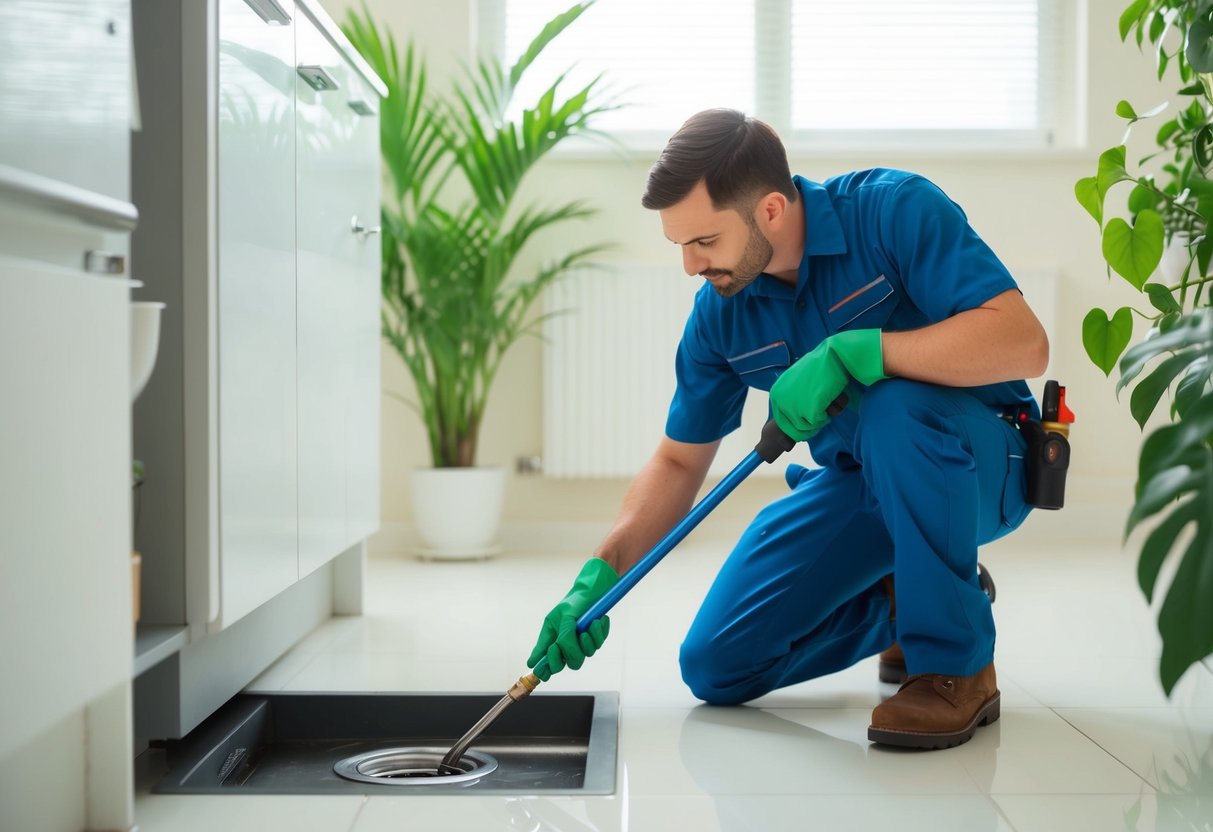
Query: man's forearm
column 1000, row 341
column 660, row 495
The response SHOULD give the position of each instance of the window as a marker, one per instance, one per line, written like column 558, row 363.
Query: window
column 961, row 72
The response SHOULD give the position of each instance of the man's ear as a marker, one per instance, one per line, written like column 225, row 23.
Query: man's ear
column 771, row 211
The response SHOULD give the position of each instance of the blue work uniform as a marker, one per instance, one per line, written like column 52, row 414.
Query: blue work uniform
column 914, row 476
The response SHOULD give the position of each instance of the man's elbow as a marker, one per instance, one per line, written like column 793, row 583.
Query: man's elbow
column 1037, row 354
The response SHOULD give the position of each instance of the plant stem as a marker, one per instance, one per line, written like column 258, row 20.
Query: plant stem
column 1187, row 283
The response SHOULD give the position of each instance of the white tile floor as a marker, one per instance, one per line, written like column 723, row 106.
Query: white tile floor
column 1087, row 741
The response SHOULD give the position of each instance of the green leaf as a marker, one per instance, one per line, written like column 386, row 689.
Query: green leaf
column 1166, row 131
column 549, row 32
column 1158, row 24
column 1161, row 298
column 1199, row 49
column 1150, row 389
column 1178, row 446
column 1160, row 541
column 1204, row 250
column 1111, row 168
column 1161, row 489
column 1086, row 191
column 1134, row 251
column 1193, row 89
column 1105, row 339
column 1202, row 146
column 1125, row 110
column 1141, row 198
column 1130, row 16
column 1194, row 385
column 1185, row 621
column 1194, row 330
column 1176, row 470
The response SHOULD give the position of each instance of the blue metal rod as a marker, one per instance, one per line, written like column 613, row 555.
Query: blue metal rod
column 642, row 567
column 630, row 578
column 773, row 443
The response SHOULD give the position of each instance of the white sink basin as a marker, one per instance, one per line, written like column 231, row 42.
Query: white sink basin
column 145, row 342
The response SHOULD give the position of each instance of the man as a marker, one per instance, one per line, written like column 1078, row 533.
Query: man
column 873, row 284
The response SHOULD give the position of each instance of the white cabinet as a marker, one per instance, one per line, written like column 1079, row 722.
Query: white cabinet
column 65, row 575
column 65, row 418
column 258, row 541
column 260, row 429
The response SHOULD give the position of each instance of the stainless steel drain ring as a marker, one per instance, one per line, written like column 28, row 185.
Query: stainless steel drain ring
column 413, row 767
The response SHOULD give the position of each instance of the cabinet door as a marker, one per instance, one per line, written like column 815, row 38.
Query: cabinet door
column 362, row 366
column 326, row 206
column 65, row 462
column 256, row 326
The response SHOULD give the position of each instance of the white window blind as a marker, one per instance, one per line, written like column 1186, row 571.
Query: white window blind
column 986, row 70
column 666, row 59
column 892, row 64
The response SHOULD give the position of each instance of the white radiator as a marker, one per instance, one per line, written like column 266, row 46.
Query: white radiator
column 609, row 368
column 608, row 372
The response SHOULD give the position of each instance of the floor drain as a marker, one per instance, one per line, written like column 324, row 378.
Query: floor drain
column 413, row 767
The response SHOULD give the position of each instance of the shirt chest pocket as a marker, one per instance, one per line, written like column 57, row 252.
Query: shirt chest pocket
column 760, row 367
column 866, row 307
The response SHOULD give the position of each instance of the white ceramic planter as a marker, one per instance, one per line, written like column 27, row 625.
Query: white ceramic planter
column 1174, row 261
column 458, row 511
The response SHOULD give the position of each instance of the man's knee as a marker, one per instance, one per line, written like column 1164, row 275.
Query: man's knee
column 704, row 673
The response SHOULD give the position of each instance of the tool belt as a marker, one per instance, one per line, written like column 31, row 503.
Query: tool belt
column 1048, row 455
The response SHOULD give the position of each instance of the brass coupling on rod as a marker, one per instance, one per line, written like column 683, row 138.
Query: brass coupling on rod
column 523, row 687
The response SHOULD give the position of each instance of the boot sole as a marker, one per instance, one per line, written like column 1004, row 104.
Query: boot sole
column 988, row 714
column 891, row 673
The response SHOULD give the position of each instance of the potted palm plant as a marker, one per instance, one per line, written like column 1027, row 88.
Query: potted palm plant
column 1175, row 468
column 453, row 231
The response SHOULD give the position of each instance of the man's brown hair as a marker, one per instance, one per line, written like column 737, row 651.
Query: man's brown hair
column 739, row 158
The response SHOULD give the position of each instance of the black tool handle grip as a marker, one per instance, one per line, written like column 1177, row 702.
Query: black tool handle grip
column 775, row 442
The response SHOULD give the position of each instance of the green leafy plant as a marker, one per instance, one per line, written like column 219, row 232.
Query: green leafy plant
column 452, row 229
column 1171, row 207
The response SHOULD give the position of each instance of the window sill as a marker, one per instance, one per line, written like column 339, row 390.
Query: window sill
column 645, row 150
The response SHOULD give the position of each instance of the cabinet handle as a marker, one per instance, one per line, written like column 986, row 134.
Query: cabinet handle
column 50, row 196
column 362, row 108
column 104, row 262
column 269, row 11
column 362, row 230
column 317, row 78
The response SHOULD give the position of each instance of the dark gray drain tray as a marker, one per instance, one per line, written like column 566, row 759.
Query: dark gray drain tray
column 287, row 743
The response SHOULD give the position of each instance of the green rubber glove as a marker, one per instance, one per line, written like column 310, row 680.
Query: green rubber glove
column 800, row 396
column 559, row 639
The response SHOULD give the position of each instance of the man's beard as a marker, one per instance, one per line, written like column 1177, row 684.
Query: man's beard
column 754, row 260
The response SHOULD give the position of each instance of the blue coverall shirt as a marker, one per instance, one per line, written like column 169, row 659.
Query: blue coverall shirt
column 884, row 249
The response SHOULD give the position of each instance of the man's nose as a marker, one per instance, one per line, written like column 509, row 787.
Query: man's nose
column 692, row 263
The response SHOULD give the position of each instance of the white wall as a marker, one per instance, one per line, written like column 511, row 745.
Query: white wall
column 1023, row 205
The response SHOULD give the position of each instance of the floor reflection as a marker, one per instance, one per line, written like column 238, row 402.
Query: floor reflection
column 738, row 754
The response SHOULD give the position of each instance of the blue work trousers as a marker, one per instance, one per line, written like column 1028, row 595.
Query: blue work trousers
column 936, row 474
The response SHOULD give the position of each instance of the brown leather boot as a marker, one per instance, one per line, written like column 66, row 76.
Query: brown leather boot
column 932, row 710
column 892, row 665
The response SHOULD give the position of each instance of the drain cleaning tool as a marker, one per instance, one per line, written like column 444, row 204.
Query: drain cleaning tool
column 773, row 443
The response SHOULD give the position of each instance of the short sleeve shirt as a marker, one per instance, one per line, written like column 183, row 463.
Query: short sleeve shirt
column 884, row 249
